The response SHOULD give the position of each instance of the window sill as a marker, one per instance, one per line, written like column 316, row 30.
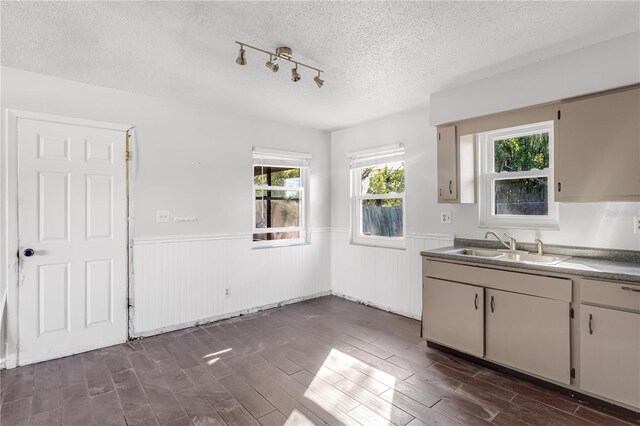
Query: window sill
column 269, row 246
column 378, row 244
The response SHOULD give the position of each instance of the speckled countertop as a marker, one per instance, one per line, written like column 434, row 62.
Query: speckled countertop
column 615, row 265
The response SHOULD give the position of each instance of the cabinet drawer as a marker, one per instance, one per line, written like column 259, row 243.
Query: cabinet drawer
column 517, row 282
column 619, row 295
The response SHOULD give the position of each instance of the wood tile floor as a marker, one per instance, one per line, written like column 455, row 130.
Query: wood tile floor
column 324, row 361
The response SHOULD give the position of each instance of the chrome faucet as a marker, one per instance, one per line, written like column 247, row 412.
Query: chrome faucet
column 512, row 241
column 540, row 246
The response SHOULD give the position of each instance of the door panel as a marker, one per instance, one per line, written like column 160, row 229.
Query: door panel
column 529, row 333
column 610, row 354
column 72, row 213
column 453, row 315
column 53, row 298
column 99, row 206
column 99, row 291
column 53, row 212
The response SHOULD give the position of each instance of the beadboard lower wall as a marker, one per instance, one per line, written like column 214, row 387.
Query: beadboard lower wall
column 181, row 281
column 389, row 279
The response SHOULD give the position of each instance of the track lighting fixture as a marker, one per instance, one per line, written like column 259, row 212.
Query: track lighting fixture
column 282, row 53
column 272, row 64
column 295, row 77
column 241, row 59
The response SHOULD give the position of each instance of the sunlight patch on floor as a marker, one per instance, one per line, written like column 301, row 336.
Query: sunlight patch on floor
column 297, row 418
column 348, row 385
column 217, row 353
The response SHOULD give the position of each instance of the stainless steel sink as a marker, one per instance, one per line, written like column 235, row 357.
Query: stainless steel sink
column 520, row 257
column 477, row 252
column 534, row 258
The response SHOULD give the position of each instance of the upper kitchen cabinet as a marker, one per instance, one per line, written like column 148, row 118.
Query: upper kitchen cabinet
column 447, row 164
column 456, row 166
column 597, row 148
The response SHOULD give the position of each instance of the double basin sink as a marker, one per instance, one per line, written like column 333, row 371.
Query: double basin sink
column 510, row 256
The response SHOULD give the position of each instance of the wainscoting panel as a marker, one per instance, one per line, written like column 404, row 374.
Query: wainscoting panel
column 389, row 279
column 181, row 281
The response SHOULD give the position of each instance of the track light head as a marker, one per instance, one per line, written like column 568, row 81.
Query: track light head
column 295, row 77
column 318, row 80
column 272, row 65
column 241, row 59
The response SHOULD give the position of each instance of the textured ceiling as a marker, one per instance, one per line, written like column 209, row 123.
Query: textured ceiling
column 379, row 57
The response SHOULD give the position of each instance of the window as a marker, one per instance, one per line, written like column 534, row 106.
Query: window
column 279, row 191
column 377, row 209
column 516, row 177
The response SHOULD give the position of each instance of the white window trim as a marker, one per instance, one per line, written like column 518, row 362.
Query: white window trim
column 275, row 158
column 368, row 158
column 487, row 178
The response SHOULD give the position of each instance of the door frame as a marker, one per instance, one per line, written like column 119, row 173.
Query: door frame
column 9, row 232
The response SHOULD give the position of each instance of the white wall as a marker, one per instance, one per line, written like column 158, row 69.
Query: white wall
column 607, row 225
column 391, row 279
column 610, row 64
column 196, row 162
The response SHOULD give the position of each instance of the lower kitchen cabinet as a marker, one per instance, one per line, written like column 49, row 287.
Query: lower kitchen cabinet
column 529, row 333
column 610, row 353
column 454, row 315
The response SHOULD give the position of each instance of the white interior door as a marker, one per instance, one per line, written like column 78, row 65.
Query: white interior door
column 73, row 239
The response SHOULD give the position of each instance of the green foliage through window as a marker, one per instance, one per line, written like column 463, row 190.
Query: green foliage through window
column 276, row 176
column 383, row 179
column 522, row 153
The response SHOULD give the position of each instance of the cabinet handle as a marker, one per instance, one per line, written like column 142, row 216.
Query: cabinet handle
column 559, row 186
column 492, row 304
column 590, row 324
column 440, row 192
column 637, row 290
column 450, row 190
column 475, row 302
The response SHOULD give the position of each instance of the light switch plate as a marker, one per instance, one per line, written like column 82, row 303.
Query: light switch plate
column 162, row 216
column 445, row 217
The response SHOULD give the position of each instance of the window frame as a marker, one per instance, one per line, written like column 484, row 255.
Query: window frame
column 293, row 162
column 488, row 176
column 380, row 159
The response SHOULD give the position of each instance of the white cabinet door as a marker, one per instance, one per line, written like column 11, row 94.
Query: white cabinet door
column 453, row 315
column 529, row 333
column 72, row 214
column 447, row 164
column 597, row 148
column 610, row 354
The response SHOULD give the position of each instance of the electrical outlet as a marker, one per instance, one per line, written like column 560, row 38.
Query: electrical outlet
column 227, row 292
column 636, row 225
column 162, row 216
column 445, row 217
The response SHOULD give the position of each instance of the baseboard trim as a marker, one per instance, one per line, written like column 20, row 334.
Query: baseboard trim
column 375, row 305
column 578, row 396
column 209, row 320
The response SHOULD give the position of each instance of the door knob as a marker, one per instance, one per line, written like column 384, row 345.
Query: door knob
column 29, row 252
